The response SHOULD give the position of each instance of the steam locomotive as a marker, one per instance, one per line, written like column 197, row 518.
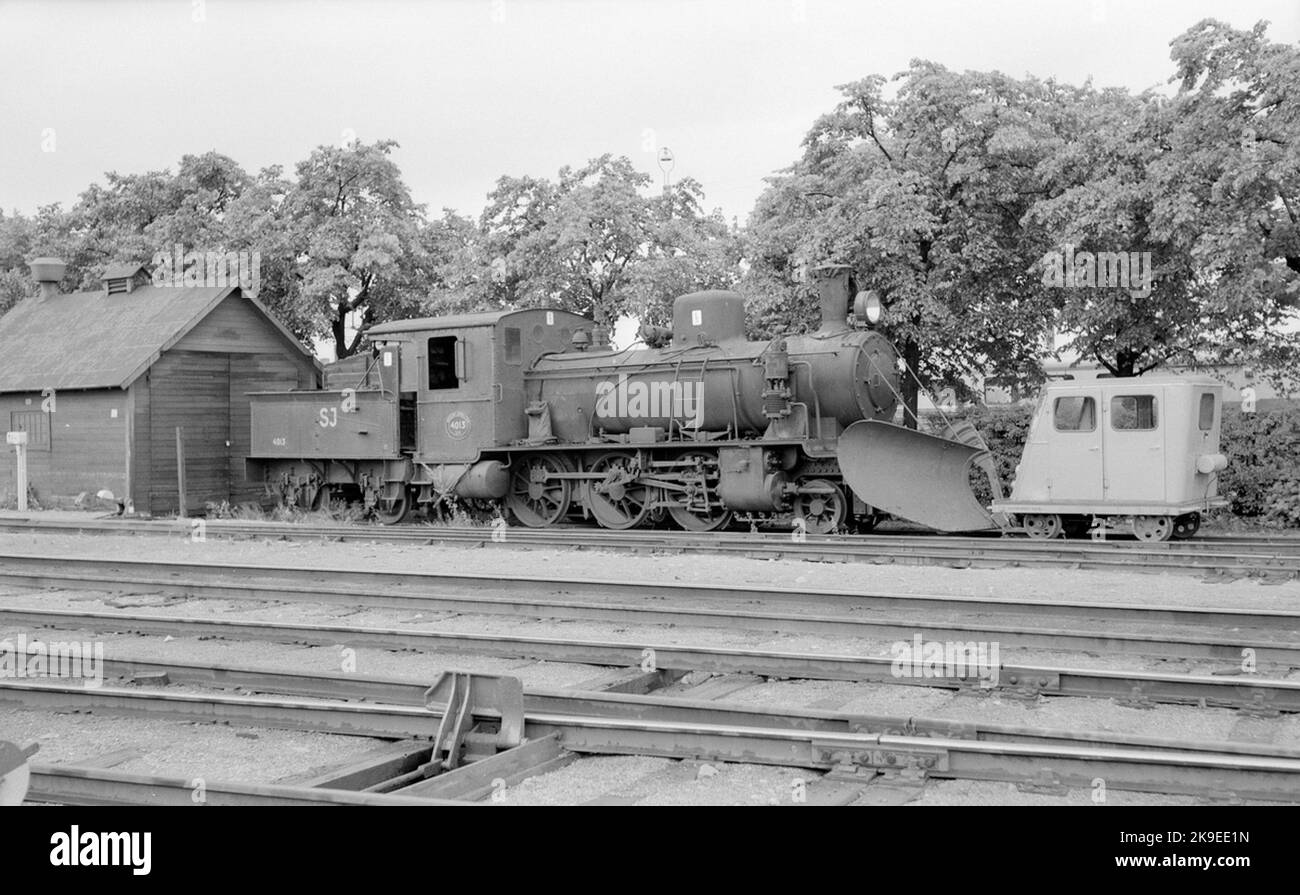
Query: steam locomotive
column 532, row 411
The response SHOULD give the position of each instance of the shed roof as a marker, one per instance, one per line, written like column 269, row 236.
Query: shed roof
column 121, row 271
column 85, row 340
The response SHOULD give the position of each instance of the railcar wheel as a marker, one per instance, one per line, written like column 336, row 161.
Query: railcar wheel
column 823, row 510
column 1153, row 528
column 391, row 512
column 703, row 511
column 535, row 501
column 1186, row 525
column 619, row 499
column 1043, row 526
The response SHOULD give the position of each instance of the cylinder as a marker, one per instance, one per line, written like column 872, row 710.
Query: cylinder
column 485, row 480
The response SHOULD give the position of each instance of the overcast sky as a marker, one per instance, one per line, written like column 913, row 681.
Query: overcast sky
column 476, row 89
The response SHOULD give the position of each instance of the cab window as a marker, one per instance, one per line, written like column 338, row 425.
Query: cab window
column 1078, row 414
column 514, row 348
column 1206, row 420
column 1133, row 413
column 442, row 362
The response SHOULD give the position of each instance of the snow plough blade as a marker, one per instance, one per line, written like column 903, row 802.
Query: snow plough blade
column 919, row 477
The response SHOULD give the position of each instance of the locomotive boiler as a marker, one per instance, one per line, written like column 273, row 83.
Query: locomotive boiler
column 532, row 412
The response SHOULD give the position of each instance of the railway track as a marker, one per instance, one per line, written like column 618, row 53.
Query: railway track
column 1257, row 693
column 1184, row 632
column 1276, row 556
column 598, row 723
column 1010, row 755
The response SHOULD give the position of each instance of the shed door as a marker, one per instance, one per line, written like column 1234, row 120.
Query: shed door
column 1135, row 444
column 1076, row 467
column 191, row 390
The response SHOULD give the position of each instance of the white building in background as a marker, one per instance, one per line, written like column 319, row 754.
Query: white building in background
column 1242, row 383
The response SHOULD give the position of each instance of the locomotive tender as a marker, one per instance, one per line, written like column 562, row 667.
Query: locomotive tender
column 533, row 409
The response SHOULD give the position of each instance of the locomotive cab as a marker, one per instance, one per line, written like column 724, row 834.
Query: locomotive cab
column 1142, row 452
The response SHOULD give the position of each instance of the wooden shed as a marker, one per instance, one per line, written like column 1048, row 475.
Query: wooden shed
column 101, row 381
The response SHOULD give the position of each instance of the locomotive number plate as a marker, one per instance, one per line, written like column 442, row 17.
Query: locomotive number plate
column 457, row 424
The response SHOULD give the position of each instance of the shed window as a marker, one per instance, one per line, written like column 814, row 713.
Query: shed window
column 1077, row 414
column 36, row 423
column 513, row 342
column 442, row 362
column 1133, row 412
column 1206, row 420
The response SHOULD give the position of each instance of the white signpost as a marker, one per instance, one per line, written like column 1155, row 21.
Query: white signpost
column 19, row 441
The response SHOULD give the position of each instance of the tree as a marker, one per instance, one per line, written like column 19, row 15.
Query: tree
column 1207, row 185
column 569, row 242
column 592, row 242
column 686, row 251
column 923, row 195
column 354, row 234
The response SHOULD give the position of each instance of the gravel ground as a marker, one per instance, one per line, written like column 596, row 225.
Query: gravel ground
column 1028, row 583
column 214, row 752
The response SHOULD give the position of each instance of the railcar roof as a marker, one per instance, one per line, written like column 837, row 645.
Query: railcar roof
column 81, row 340
column 1129, row 383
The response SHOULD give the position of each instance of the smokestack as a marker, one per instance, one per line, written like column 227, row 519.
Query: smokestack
column 48, row 272
column 834, row 284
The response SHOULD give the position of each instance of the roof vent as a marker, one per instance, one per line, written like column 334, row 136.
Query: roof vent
column 48, row 272
column 119, row 278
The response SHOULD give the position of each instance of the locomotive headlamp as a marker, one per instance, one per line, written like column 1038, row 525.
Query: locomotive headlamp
column 868, row 307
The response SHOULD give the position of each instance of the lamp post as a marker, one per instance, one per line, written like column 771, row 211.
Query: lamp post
column 19, row 441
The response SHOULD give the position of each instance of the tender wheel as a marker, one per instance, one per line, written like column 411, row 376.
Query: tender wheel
column 1153, row 528
column 533, row 499
column 1043, row 526
column 823, row 507
column 1186, row 525
column 703, row 510
column 391, row 512
column 619, row 499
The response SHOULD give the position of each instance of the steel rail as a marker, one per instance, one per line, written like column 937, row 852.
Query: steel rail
column 1275, row 695
column 813, row 666
column 1189, row 556
column 492, row 593
column 1172, row 770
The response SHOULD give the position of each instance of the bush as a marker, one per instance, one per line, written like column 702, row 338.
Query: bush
column 1263, row 474
column 1262, row 480
column 1004, row 428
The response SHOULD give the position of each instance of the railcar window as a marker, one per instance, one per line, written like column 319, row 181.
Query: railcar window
column 1075, row 414
column 442, row 362
column 513, row 345
column 1206, row 421
column 1133, row 412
